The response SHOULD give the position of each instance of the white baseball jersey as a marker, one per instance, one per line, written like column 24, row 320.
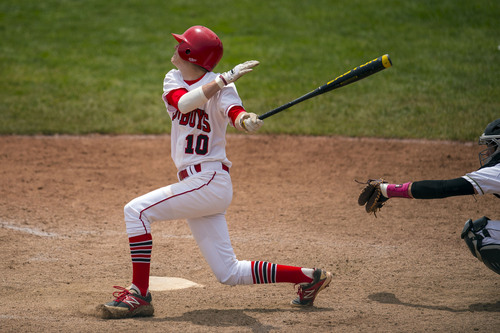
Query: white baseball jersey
column 485, row 180
column 200, row 135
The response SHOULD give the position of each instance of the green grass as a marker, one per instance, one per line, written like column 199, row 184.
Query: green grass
column 76, row 67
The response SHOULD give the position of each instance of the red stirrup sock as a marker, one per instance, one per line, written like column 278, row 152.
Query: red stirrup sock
column 265, row 272
column 140, row 251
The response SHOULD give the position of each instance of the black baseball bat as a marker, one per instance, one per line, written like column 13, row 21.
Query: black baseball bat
column 355, row 74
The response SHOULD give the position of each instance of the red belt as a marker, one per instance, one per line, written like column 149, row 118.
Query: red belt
column 183, row 174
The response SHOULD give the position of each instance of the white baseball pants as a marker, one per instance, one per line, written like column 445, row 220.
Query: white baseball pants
column 202, row 199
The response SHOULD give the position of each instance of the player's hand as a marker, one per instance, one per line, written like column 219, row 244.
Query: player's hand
column 371, row 196
column 237, row 72
column 251, row 122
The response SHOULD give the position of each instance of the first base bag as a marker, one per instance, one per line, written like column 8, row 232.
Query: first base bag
column 482, row 236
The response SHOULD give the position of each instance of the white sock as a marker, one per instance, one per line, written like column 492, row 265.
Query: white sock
column 132, row 286
column 308, row 272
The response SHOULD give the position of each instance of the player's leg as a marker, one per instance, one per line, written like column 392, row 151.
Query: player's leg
column 482, row 236
column 212, row 236
column 194, row 197
column 180, row 200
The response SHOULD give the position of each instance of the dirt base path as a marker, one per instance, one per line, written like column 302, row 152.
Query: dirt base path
column 64, row 246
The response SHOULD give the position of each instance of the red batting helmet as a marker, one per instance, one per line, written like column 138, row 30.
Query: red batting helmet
column 201, row 46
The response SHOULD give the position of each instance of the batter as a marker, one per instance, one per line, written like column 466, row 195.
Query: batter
column 201, row 104
column 482, row 236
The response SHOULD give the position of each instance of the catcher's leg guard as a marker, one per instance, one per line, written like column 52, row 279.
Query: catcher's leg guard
column 482, row 236
column 491, row 257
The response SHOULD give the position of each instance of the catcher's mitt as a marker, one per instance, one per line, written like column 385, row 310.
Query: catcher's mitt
column 371, row 196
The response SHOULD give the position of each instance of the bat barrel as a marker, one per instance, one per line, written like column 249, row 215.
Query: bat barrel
column 355, row 74
column 358, row 73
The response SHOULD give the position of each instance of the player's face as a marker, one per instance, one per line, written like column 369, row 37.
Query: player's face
column 492, row 147
column 175, row 57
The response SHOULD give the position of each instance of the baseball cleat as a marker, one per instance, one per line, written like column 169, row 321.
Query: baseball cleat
column 307, row 292
column 127, row 303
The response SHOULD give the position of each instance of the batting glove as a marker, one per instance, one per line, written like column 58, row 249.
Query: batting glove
column 234, row 74
column 250, row 122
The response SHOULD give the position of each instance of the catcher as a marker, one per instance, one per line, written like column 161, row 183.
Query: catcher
column 481, row 236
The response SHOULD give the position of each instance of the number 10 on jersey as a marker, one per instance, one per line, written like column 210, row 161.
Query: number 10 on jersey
column 200, row 147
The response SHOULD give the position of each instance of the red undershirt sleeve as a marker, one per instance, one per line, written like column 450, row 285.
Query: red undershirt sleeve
column 234, row 111
column 174, row 96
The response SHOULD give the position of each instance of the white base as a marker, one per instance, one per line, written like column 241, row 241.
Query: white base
column 161, row 283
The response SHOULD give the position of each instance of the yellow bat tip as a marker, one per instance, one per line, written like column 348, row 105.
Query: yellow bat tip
column 386, row 61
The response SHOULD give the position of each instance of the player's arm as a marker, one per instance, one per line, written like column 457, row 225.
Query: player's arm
column 197, row 97
column 428, row 189
column 240, row 118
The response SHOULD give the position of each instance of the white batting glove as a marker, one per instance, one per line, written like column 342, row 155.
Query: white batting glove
column 250, row 122
column 234, row 74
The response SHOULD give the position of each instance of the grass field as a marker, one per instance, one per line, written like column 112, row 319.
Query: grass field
column 78, row 67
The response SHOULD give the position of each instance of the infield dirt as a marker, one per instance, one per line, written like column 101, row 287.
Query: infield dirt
column 64, row 246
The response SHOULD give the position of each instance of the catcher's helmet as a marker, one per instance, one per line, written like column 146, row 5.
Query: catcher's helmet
column 201, row 46
column 490, row 138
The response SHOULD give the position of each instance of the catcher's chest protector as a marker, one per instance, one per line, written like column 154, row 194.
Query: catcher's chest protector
column 483, row 239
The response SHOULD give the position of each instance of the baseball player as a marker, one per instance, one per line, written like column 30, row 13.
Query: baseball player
column 201, row 104
column 482, row 236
